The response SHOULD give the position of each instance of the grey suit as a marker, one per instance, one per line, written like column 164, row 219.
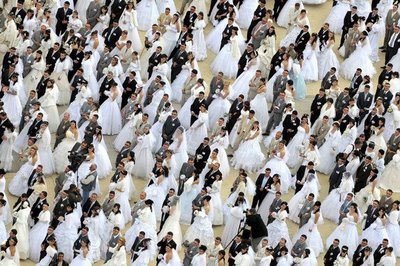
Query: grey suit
column 27, row 61
column 59, row 182
column 274, row 207
column 258, row 34
column 36, row 39
column 93, row 12
column 276, row 115
column 392, row 145
column 187, row 86
column 187, row 171
column 85, row 110
column 215, row 84
column 137, row 206
column 61, row 130
column 190, row 252
column 305, row 212
column 25, row 111
column 107, row 206
column 105, row 60
column 112, row 243
column 279, row 85
column 298, row 249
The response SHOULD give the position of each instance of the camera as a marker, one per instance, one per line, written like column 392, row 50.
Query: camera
column 76, row 159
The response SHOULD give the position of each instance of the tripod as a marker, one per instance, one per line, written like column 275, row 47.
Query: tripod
column 239, row 230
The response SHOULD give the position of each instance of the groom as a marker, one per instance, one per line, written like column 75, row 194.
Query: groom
column 166, row 207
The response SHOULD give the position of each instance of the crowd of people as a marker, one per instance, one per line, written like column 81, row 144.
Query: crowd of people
column 76, row 71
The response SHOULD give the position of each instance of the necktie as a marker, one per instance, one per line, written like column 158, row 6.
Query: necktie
column 393, row 39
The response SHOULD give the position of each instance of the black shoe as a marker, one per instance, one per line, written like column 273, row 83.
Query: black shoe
column 230, row 155
column 383, row 51
column 383, row 67
column 382, row 47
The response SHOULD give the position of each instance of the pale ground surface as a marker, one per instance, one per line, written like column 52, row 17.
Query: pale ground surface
column 317, row 16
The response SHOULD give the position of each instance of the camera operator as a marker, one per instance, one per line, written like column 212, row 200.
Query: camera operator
column 258, row 228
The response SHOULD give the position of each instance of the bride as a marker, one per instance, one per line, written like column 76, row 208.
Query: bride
column 300, row 22
column 11, row 257
column 172, row 223
column 61, row 152
column 170, row 258
column 360, row 58
column 201, row 228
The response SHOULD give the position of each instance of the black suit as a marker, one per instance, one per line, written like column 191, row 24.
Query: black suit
column 77, row 244
column 111, row 36
column 358, row 256
column 129, row 87
column 181, row 39
column 154, row 60
column 136, row 246
column 3, row 125
column 37, row 208
column 201, row 157
column 34, row 128
column 392, row 48
column 117, row 8
column 226, row 35
column 195, row 107
column 88, row 207
column 169, row 127
column 370, row 120
column 76, row 57
column 316, row 106
column 189, row 19
column 258, row 228
column 349, row 21
column 60, row 16
column 178, row 60
column 301, row 42
column 362, row 174
column 386, row 98
column 234, row 114
column 275, row 61
column 379, row 253
column 51, row 59
column 278, row 5
column 292, row 124
column 164, row 215
column 210, row 177
column 234, row 249
column 384, row 75
column 364, row 102
column 336, row 176
column 355, row 84
column 260, row 194
column 123, row 153
column 41, row 87
column 372, row 213
column 59, row 210
column 331, row 255
column 163, row 244
column 76, row 84
column 105, row 86
column 259, row 13
column 19, row 14
column 323, row 36
column 243, row 62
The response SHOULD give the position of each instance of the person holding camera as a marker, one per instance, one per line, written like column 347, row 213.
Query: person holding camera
column 258, row 228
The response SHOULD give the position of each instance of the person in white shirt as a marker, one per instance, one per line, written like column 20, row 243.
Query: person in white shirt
column 268, row 258
column 243, row 258
column 200, row 258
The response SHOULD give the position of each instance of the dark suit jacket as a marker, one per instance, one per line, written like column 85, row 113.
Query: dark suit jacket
column 19, row 14
column 34, row 128
column 301, row 41
column 358, row 256
column 331, row 255
column 169, row 127
column 117, row 8
column 189, row 19
column 349, row 20
column 364, row 101
column 88, row 207
column 243, row 59
column 259, row 181
column 60, row 208
column 37, row 208
column 210, row 177
column 379, row 253
column 163, row 244
column 111, row 37
column 327, row 82
column 51, row 58
column 336, row 176
column 371, row 216
column 129, row 87
column 386, row 98
column 123, row 153
column 62, row 15
column 6, row 124
column 234, row 250
column 362, row 174
column 200, row 163
column 323, row 36
column 258, row 228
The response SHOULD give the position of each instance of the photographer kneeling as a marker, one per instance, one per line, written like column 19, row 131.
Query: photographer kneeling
column 258, row 228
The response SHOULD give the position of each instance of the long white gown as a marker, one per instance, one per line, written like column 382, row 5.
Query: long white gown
column 22, row 227
column 314, row 239
column 6, row 150
column 335, row 17
column 190, row 191
column 110, row 114
column 389, row 177
column 146, row 222
column 144, row 161
column 360, row 58
column 61, row 152
column 278, row 166
column 19, row 183
column 327, row 162
column 121, row 189
column 297, row 201
column 309, row 69
column 347, row 234
column 197, row 132
column 375, row 233
column 175, row 261
column 147, row 14
column 172, row 225
column 37, row 235
column 234, row 222
column 227, row 58
column 10, row 260
column 249, row 155
column 130, row 24
column 199, row 42
column 278, row 229
column 60, row 76
column 67, row 233
column 12, row 105
column 241, row 84
column 201, row 228
column 393, row 231
column 326, row 60
column 170, row 38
